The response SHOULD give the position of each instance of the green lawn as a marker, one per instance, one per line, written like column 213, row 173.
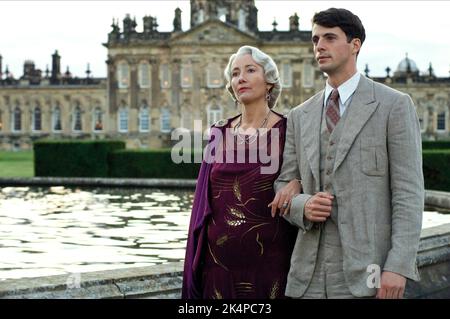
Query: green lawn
column 16, row 164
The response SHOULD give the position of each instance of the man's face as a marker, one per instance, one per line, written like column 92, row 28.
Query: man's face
column 332, row 51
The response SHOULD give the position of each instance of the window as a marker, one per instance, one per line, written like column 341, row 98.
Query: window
column 165, row 120
column 56, row 119
column 164, row 76
column 214, row 76
column 1, row 122
column 123, row 119
column 98, row 119
column 77, row 119
column 201, row 16
column 17, row 119
column 308, row 75
column 37, row 119
column 144, row 75
column 186, row 120
column 214, row 114
column 123, row 75
column 286, row 75
column 144, row 119
column 242, row 20
column 186, row 75
column 442, row 122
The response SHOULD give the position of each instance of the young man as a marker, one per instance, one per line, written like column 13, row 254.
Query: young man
column 356, row 148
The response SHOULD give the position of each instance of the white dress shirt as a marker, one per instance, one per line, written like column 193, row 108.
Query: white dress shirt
column 346, row 91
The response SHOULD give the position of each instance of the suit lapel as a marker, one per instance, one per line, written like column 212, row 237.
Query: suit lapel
column 361, row 109
column 310, row 132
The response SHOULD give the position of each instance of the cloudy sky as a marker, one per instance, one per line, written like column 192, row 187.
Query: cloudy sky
column 33, row 30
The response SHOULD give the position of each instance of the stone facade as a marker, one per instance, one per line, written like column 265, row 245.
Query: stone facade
column 160, row 81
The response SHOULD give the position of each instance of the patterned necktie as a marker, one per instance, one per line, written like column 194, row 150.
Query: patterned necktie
column 332, row 114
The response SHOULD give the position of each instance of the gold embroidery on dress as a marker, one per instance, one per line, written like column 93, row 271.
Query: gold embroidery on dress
column 217, row 294
column 243, row 288
column 221, row 240
column 251, row 199
column 274, row 290
column 256, row 226
column 235, row 217
column 237, row 189
column 260, row 244
column 215, row 259
column 237, row 213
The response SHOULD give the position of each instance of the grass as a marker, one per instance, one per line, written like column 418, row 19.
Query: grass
column 16, row 164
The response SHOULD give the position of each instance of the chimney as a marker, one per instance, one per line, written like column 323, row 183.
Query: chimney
column 56, row 66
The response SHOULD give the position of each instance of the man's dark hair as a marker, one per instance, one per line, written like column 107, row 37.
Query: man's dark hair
column 344, row 19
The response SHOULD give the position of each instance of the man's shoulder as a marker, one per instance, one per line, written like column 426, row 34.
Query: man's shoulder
column 382, row 91
column 313, row 100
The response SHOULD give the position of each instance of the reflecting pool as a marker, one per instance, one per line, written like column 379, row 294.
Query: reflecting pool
column 58, row 230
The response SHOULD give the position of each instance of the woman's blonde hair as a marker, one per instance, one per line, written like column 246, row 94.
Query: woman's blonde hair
column 271, row 73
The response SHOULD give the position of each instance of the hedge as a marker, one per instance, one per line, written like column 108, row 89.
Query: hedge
column 151, row 164
column 436, row 169
column 68, row 158
column 110, row 159
column 436, row 145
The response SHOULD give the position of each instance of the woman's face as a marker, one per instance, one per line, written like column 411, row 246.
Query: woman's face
column 247, row 80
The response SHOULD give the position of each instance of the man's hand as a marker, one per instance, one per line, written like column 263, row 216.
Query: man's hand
column 283, row 197
column 318, row 207
column 392, row 286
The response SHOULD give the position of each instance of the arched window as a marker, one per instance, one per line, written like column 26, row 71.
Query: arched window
column 286, row 75
column 17, row 119
column 144, row 119
column 97, row 119
column 165, row 120
column 144, row 75
column 200, row 16
column 242, row 19
column 308, row 75
column 77, row 124
column 214, row 76
column 37, row 119
column 186, row 119
column 56, row 119
column 123, row 75
column 123, row 119
column 186, row 75
column 214, row 113
column 164, row 75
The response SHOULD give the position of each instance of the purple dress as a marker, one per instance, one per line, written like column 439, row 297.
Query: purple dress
column 247, row 252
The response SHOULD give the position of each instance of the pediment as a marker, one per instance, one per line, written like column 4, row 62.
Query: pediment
column 211, row 32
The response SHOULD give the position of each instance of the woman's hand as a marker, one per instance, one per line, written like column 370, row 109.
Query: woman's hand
column 283, row 197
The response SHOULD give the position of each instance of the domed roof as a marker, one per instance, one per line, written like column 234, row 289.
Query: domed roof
column 406, row 65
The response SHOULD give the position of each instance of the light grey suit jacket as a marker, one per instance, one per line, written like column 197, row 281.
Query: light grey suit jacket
column 378, row 184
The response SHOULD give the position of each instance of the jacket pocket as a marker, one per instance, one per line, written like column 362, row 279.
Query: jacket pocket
column 373, row 156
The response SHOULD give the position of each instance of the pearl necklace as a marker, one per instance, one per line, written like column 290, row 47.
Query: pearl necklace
column 249, row 139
